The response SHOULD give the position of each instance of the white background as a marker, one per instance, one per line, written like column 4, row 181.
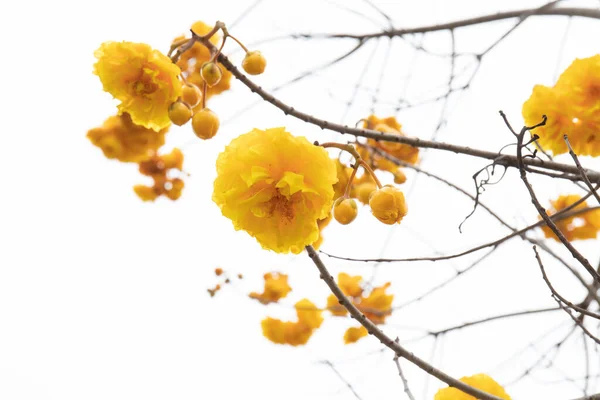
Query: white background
column 103, row 296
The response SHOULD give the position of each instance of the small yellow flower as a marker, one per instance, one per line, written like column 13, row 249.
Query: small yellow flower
column 276, row 287
column 294, row 333
column 352, row 334
column 334, row 306
column 144, row 80
column 400, row 151
column 580, row 227
column 479, row 381
column 275, row 187
column 350, row 285
column 377, row 305
column 125, row 141
column 388, row 205
column 158, row 167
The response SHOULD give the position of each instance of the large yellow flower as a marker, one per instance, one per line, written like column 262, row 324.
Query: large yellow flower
column 479, row 381
column 144, row 80
column 120, row 138
column 275, row 187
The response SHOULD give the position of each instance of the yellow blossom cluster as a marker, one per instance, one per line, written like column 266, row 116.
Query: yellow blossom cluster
column 400, row 151
column 294, row 333
column 276, row 287
column 572, row 106
column 158, row 167
column 376, row 306
column 480, row 381
column 155, row 90
column 579, row 227
column 191, row 61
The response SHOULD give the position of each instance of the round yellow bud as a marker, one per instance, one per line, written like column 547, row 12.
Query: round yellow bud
column 254, row 63
column 180, row 113
column 363, row 191
column 211, row 73
column 345, row 210
column 388, row 205
column 191, row 94
column 399, row 177
column 205, row 123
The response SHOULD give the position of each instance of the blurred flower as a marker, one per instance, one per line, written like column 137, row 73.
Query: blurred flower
column 294, row 333
column 119, row 138
column 276, row 287
column 479, row 381
column 572, row 107
column 580, row 227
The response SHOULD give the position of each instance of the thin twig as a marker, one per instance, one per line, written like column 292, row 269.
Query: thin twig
column 574, row 252
column 557, row 295
column 404, row 381
column 581, row 170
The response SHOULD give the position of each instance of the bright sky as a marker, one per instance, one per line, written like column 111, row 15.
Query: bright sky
column 104, row 297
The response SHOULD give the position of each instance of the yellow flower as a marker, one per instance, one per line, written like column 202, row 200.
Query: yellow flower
column 580, row 227
column 479, row 381
column 158, row 167
column 125, row 141
column 377, row 305
column 144, row 80
column 388, row 205
column 322, row 223
column 352, row 335
column 582, row 81
column 350, row 285
column 294, row 333
column 572, row 107
column 400, row 151
column 334, row 306
column 275, row 187
column 276, row 287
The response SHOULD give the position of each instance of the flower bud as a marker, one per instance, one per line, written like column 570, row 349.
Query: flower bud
column 399, row 177
column 191, row 94
column 363, row 191
column 345, row 210
column 254, row 63
column 205, row 124
column 388, row 205
column 180, row 113
column 211, row 73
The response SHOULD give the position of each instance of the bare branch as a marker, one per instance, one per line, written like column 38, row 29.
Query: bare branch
column 386, row 340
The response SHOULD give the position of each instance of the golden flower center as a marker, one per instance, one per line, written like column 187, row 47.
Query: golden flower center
column 281, row 206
